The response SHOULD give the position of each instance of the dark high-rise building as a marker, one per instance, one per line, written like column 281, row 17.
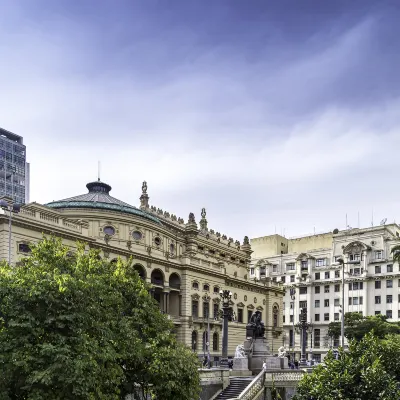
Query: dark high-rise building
column 14, row 170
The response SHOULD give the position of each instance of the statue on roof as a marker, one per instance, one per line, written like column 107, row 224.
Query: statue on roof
column 246, row 240
column 191, row 218
column 144, row 187
column 203, row 213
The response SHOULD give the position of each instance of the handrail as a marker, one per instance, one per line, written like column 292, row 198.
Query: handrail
column 256, row 385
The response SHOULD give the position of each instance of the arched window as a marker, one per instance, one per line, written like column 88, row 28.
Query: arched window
column 215, row 341
column 205, row 340
column 194, row 341
column 216, row 289
column 206, row 288
column 195, row 285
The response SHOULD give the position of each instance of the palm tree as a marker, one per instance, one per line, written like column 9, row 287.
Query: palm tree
column 396, row 253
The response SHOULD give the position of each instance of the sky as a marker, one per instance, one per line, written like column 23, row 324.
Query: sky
column 276, row 116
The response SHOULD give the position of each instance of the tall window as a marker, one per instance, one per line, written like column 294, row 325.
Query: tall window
column 303, row 290
column 194, row 340
column 291, row 337
column 249, row 314
column 195, row 308
column 320, row 262
column 206, row 309
column 215, row 341
column 317, row 289
column 317, row 338
column 303, row 304
column 290, row 267
column 389, row 268
column 275, row 312
column 216, row 310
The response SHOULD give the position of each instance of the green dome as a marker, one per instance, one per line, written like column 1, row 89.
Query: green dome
column 99, row 198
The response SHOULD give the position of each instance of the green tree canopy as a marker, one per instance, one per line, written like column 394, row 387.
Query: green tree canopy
column 78, row 327
column 369, row 370
column 357, row 326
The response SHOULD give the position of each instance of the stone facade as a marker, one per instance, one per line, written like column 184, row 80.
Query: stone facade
column 310, row 265
column 186, row 265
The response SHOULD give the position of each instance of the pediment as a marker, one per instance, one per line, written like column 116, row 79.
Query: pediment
column 240, row 304
column 304, row 256
column 259, row 308
column 355, row 247
column 195, row 296
column 250, row 307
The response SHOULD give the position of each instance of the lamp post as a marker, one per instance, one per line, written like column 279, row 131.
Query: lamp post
column 293, row 298
column 226, row 314
column 11, row 208
column 342, row 263
column 207, row 298
column 303, row 326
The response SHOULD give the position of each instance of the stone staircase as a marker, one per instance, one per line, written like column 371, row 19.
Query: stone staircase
column 236, row 386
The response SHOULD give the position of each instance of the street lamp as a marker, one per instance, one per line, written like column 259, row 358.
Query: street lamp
column 227, row 313
column 341, row 262
column 207, row 298
column 303, row 326
column 11, row 208
column 293, row 297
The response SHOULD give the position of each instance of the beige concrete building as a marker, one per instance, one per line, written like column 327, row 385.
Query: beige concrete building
column 185, row 264
column 309, row 265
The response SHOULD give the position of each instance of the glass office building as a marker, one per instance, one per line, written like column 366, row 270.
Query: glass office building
column 14, row 170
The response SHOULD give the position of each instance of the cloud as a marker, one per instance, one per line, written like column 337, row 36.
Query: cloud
column 285, row 139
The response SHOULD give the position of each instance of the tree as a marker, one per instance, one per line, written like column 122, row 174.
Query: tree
column 78, row 327
column 369, row 370
column 357, row 326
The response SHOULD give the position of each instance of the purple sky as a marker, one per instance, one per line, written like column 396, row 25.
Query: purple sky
column 274, row 115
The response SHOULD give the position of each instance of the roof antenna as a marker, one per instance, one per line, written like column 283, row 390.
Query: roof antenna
column 98, row 170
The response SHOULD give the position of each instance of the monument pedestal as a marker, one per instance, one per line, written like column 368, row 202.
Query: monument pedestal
column 241, row 364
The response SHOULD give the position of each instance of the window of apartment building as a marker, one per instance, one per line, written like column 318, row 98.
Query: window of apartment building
column 326, row 303
column 291, row 278
column 378, row 255
column 320, row 262
column 337, row 302
column 251, row 271
column 274, row 268
column 283, row 318
column 354, row 257
column 240, row 315
column 316, row 317
column 262, row 270
column 389, row 313
column 304, row 265
column 317, row 303
column 336, row 316
column 326, row 317
column 398, row 314
column 206, row 309
column 337, row 274
column 350, row 301
column 356, row 286
column 303, row 290
column 326, row 289
column 389, row 298
column 291, row 318
column 304, row 277
column 317, row 358
column 377, row 313
column 377, row 284
column 317, row 337
column 291, row 305
column 274, row 279
column 389, row 283
column 283, row 279
column 195, row 308
column 303, row 304
column 356, row 271
column 327, row 275
column 378, row 269
column 337, row 287
column 317, row 276
column 389, row 268
column 335, row 342
column 317, row 289
column 290, row 267
column 377, row 299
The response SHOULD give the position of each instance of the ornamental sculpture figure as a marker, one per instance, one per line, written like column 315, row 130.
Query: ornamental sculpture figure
column 239, row 353
column 144, row 187
column 191, row 218
column 255, row 328
column 281, row 352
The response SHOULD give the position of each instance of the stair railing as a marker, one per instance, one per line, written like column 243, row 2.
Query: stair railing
column 255, row 389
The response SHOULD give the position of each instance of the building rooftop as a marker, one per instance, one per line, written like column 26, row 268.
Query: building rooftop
column 11, row 136
column 99, row 197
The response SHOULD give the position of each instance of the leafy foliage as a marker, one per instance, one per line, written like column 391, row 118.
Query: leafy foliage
column 78, row 327
column 357, row 326
column 368, row 371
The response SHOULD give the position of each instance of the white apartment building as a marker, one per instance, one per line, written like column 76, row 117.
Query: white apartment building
column 310, row 265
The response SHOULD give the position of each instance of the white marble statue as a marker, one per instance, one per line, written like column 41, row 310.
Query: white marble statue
column 239, row 353
column 281, row 352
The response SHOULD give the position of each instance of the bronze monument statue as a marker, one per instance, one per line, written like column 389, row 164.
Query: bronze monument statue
column 255, row 328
